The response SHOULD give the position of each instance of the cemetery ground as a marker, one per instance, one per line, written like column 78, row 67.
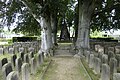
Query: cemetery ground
column 22, row 61
column 63, row 66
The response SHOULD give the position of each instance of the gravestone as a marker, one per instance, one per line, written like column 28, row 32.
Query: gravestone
column 31, row 49
column 97, row 65
column 26, row 58
column 113, row 65
column 6, row 49
column 105, row 74
column 21, row 50
column 116, row 76
column 105, row 58
column 6, row 69
column 87, row 57
column 11, row 51
column 25, row 71
column 18, row 64
column 91, row 62
column 13, row 58
column 110, row 55
column 16, row 49
column 2, row 62
column 33, row 65
column 111, row 49
column 39, row 59
column 31, row 55
column 22, row 56
column 117, row 49
column 13, row 76
column 1, row 51
column 118, row 59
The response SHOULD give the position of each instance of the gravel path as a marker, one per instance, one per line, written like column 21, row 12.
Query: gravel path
column 65, row 68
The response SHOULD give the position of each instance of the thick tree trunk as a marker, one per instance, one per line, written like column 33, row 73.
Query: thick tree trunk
column 46, row 36
column 85, row 13
column 54, row 22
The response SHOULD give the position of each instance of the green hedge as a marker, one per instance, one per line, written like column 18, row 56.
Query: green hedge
column 24, row 39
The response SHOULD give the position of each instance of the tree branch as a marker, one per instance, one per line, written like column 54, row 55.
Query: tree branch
column 30, row 8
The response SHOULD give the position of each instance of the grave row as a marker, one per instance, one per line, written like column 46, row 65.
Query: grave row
column 20, row 47
column 104, row 63
column 22, row 66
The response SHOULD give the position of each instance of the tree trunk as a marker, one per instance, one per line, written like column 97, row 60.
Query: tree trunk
column 85, row 13
column 46, row 36
column 54, row 22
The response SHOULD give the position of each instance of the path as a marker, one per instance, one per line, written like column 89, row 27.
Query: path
column 65, row 67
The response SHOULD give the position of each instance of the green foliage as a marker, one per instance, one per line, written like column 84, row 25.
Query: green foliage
column 106, row 16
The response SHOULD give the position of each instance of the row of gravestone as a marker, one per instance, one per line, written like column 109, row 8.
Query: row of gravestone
column 22, row 65
column 106, row 47
column 103, row 64
column 17, row 48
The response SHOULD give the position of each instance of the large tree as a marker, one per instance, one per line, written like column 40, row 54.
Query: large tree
column 93, row 13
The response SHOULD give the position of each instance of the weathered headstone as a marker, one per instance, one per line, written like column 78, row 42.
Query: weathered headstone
column 6, row 49
column 117, row 49
column 31, row 55
column 13, row 76
column 26, row 58
column 6, row 69
column 33, row 65
column 18, row 64
column 22, row 56
column 31, row 49
column 118, row 59
column 25, row 71
column 116, row 76
column 110, row 55
column 87, row 57
column 105, row 74
column 113, row 65
column 97, row 65
column 11, row 51
column 105, row 58
column 4, row 61
column 111, row 49
column 39, row 59
column 13, row 58
column 91, row 62
column 21, row 50
column 1, row 51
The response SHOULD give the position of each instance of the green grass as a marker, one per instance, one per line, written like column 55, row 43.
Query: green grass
column 8, row 56
column 90, row 71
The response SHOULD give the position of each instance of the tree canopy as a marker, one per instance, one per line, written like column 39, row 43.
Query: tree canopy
column 105, row 16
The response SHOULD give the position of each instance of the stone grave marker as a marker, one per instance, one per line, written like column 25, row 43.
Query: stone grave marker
column 116, row 76
column 6, row 69
column 18, row 64
column 13, row 59
column 1, row 51
column 25, row 71
column 105, row 74
column 33, row 65
column 26, row 58
column 11, row 51
column 113, row 65
column 13, row 76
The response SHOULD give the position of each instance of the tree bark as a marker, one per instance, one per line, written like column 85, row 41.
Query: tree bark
column 54, row 22
column 85, row 13
column 46, row 35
